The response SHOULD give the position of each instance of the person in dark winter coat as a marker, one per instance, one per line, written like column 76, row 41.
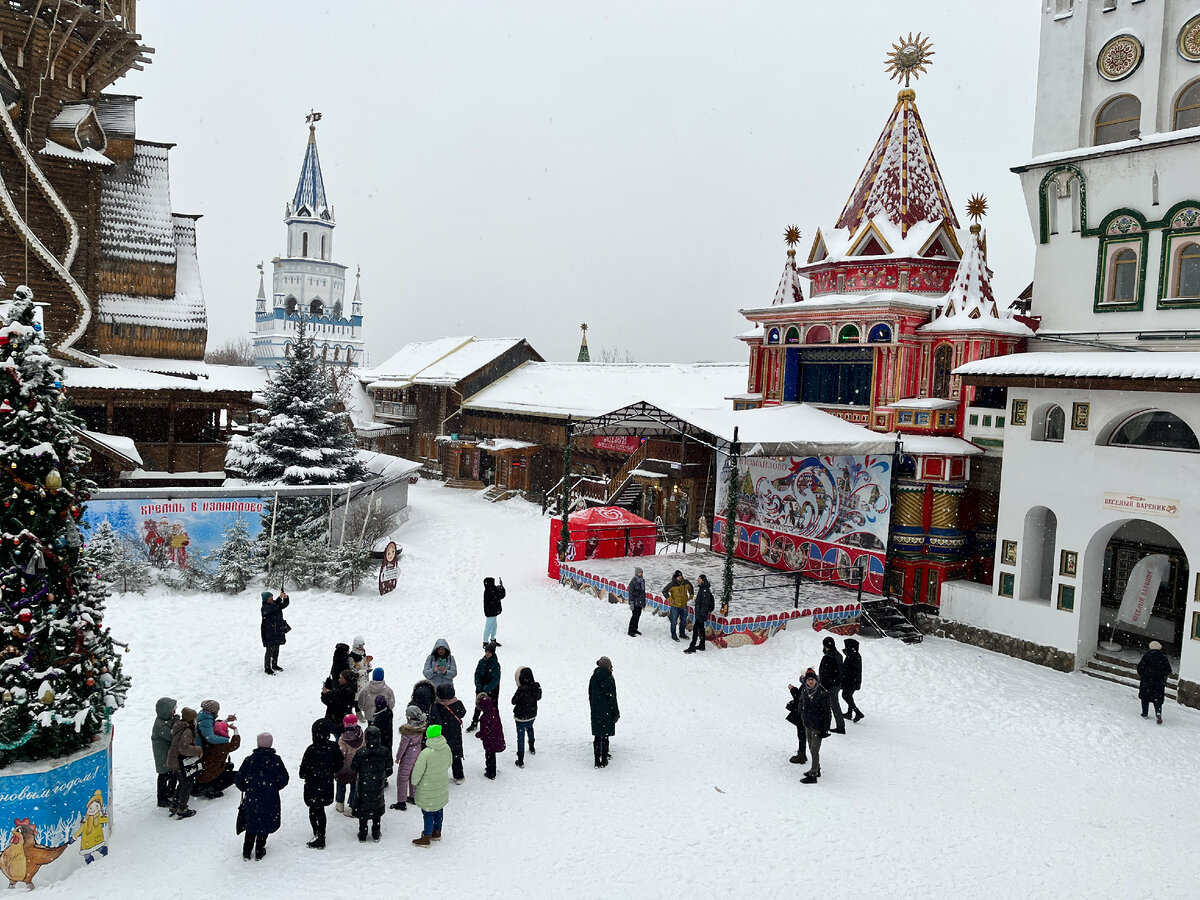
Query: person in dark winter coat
column 493, row 593
column 815, row 712
column 525, row 709
column 320, row 764
column 372, row 764
column 349, row 743
column 440, row 666
column 262, row 776
column 704, row 609
column 637, row 602
column 160, row 743
column 183, row 758
column 424, row 695
column 274, row 629
column 341, row 661
column 1153, row 671
column 602, row 698
column 412, row 742
column 338, row 697
column 449, row 713
column 830, row 677
column 491, row 732
column 487, row 680
column 851, row 678
column 384, row 722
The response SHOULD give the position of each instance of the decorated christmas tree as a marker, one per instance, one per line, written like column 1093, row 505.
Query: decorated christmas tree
column 60, row 673
column 304, row 440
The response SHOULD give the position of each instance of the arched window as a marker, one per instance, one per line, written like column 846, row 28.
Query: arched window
column 792, row 336
column 1037, row 554
column 1155, row 429
column 1187, row 272
column 1187, row 107
column 304, row 244
column 322, row 246
column 1050, row 424
column 1118, row 120
column 1123, row 277
column 848, row 334
column 817, row 334
column 943, row 361
column 773, row 336
column 290, row 305
column 880, row 334
column 316, row 308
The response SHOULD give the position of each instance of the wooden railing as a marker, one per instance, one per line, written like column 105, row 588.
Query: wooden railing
column 617, row 483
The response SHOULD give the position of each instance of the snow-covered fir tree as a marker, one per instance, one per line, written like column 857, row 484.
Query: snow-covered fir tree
column 104, row 552
column 305, row 439
column 60, row 672
column 237, row 559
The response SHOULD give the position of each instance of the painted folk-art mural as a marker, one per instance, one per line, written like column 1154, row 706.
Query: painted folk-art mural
column 821, row 515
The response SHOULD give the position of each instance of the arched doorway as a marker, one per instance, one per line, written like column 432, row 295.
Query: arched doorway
column 1109, row 559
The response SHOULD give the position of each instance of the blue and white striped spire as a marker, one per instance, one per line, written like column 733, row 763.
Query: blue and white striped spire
column 310, row 190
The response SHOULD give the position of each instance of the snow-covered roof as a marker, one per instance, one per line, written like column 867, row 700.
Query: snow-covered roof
column 1176, row 364
column 135, row 207
column 361, row 408
column 789, row 290
column 900, row 182
column 241, row 379
column 186, row 310
column 1181, row 136
column 970, row 305
column 498, row 445
column 384, row 465
column 922, row 302
column 119, row 444
column 116, row 115
column 932, row 445
column 757, row 333
column 309, row 199
column 793, row 429
column 585, row 390
column 923, row 403
column 911, row 244
column 87, row 154
column 444, row 362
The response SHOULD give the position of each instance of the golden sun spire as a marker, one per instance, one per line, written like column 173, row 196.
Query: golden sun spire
column 910, row 57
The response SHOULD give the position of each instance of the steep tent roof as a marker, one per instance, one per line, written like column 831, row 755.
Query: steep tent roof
column 970, row 305
column 789, row 290
column 900, row 182
column 310, row 190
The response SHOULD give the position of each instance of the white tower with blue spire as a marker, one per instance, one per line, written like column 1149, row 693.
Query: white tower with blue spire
column 306, row 282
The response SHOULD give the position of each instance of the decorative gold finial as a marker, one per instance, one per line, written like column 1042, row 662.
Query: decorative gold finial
column 312, row 118
column 977, row 206
column 584, row 326
column 910, row 58
column 791, row 237
column 260, row 268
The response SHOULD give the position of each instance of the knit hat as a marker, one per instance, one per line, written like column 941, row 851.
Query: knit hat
column 677, row 574
column 221, row 728
column 381, row 702
column 359, row 643
column 267, row 595
column 265, row 740
column 810, row 674
column 97, row 798
column 433, row 731
column 211, row 706
column 605, row 663
column 414, row 715
column 1155, row 645
column 637, row 570
column 350, row 720
column 829, row 642
column 377, row 675
column 188, row 714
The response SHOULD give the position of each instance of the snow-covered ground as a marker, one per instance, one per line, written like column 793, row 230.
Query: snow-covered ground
column 972, row 775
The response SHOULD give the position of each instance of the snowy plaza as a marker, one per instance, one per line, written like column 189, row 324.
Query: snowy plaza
column 971, row 773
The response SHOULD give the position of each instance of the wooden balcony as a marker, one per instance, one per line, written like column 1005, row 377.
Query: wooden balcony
column 400, row 412
column 158, row 457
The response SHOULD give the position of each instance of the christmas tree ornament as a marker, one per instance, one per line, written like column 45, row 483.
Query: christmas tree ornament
column 47, row 697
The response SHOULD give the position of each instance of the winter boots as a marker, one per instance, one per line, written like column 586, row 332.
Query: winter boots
column 809, row 778
column 424, row 840
column 532, row 751
column 362, row 831
column 375, row 832
column 341, row 807
column 1158, row 718
column 600, row 762
column 520, row 761
column 317, row 843
column 400, row 806
column 437, row 835
column 857, row 714
column 801, row 756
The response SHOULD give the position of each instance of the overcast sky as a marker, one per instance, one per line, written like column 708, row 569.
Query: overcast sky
column 516, row 168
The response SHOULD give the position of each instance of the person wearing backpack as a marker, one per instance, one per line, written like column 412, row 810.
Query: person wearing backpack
column 525, row 710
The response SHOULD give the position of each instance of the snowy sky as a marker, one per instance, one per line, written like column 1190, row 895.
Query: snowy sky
column 514, row 169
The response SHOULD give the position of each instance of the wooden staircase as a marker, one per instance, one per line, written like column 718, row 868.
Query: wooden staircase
column 466, row 484
column 1107, row 667
column 496, row 494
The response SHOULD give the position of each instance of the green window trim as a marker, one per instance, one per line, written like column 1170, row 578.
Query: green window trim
column 1139, row 242
column 1044, row 207
column 1166, row 268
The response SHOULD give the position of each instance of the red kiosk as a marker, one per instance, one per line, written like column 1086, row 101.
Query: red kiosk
column 602, row 532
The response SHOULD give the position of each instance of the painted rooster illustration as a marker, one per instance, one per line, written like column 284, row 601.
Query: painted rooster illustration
column 23, row 856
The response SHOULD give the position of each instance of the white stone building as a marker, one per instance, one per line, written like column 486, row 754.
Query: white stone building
column 307, row 283
column 1100, row 447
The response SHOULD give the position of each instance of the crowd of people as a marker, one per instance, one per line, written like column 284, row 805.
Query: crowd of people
column 350, row 761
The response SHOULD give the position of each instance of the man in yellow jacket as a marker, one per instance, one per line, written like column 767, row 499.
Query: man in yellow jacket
column 678, row 593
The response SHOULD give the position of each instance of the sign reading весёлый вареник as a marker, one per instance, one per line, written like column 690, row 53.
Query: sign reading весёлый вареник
column 1136, row 503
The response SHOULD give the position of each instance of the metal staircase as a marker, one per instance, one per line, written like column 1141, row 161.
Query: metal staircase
column 880, row 617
